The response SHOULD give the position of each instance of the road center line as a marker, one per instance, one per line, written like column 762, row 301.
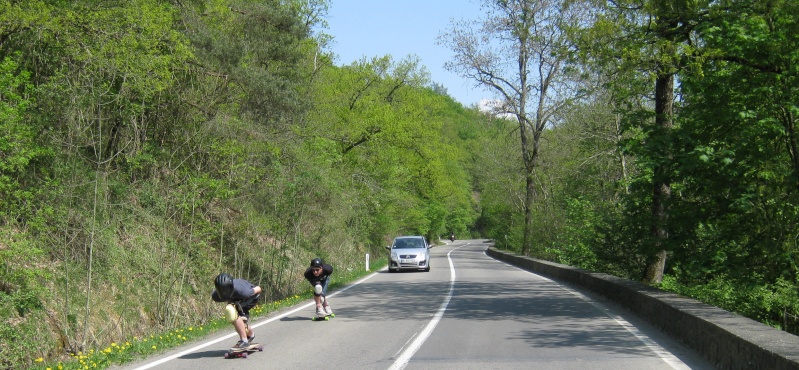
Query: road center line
column 405, row 357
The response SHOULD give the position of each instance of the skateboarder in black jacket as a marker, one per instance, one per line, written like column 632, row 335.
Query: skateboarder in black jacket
column 243, row 296
column 318, row 274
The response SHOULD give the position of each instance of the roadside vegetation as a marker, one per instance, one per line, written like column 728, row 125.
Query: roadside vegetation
column 148, row 145
column 137, row 348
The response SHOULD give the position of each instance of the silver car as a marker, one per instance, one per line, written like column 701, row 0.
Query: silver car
column 409, row 253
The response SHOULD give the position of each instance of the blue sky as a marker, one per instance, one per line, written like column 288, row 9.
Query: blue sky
column 370, row 28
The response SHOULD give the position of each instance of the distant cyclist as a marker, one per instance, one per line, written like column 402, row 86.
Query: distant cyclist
column 318, row 274
column 241, row 296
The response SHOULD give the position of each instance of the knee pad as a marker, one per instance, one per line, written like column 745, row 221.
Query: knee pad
column 317, row 289
column 231, row 313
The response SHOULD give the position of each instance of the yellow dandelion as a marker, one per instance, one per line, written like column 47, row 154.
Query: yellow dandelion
column 39, row 359
column 154, row 347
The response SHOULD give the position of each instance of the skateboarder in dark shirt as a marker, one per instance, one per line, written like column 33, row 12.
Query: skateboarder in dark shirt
column 318, row 274
column 241, row 296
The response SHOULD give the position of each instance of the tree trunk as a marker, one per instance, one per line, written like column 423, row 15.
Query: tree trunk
column 788, row 121
column 664, row 101
column 528, row 213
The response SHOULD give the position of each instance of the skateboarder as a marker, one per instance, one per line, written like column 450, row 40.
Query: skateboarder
column 318, row 274
column 243, row 296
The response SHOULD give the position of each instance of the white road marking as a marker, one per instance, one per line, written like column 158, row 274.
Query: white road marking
column 403, row 359
column 227, row 337
column 664, row 355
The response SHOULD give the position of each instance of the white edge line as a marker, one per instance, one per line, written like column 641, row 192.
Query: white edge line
column 664, row 355
column 403, row 359
column 206, row 344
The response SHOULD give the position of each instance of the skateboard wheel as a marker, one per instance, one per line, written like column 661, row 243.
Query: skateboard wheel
column 227, row 355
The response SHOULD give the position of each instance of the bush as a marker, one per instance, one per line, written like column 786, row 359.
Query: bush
column 774, row 304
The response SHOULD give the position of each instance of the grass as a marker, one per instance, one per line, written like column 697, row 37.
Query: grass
column 141, row 347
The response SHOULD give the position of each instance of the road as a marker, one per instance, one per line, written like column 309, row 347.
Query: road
column 469, row 312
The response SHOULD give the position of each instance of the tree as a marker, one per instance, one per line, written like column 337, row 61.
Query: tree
column 520, row 51
column 17, row 142
column 654, row 39
column 378, row 125
column 735, row 163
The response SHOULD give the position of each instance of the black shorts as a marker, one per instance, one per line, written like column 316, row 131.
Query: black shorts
column 246, row 305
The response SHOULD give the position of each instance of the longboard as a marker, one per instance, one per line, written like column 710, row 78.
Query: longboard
column 323, row 318
column 237, row 353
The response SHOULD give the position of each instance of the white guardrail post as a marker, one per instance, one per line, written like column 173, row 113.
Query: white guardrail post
column 367, row 262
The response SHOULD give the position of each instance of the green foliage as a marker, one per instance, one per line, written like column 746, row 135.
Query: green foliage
column 144, row 141
column 17, row 341
column 18, row 145
column 22, row 297
column 730, row 158
column 575, row 245
column 20, row 272
column 376, row 123
column 774, row 304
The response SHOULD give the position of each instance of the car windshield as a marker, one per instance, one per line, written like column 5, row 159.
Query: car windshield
column 408, row 244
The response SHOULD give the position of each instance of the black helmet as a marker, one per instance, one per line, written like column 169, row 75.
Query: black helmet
column 224, row 285
column 317, row 262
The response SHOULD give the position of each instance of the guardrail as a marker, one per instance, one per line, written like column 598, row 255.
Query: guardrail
column 725, row 339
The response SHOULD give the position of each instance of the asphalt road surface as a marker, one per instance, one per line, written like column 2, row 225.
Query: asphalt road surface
column 469, row 312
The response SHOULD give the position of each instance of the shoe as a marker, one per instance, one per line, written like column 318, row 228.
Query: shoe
column 328, row 311
column 241, row 345
column 320, row 311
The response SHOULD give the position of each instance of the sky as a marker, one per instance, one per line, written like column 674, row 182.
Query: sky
column 374, row 28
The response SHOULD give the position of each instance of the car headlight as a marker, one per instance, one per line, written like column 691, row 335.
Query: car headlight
column 394, row 256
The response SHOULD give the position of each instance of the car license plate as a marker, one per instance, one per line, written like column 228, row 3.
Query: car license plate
column 407, row 261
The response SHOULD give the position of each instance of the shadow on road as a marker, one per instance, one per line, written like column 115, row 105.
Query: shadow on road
column 204, row 354
column 540, row 312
